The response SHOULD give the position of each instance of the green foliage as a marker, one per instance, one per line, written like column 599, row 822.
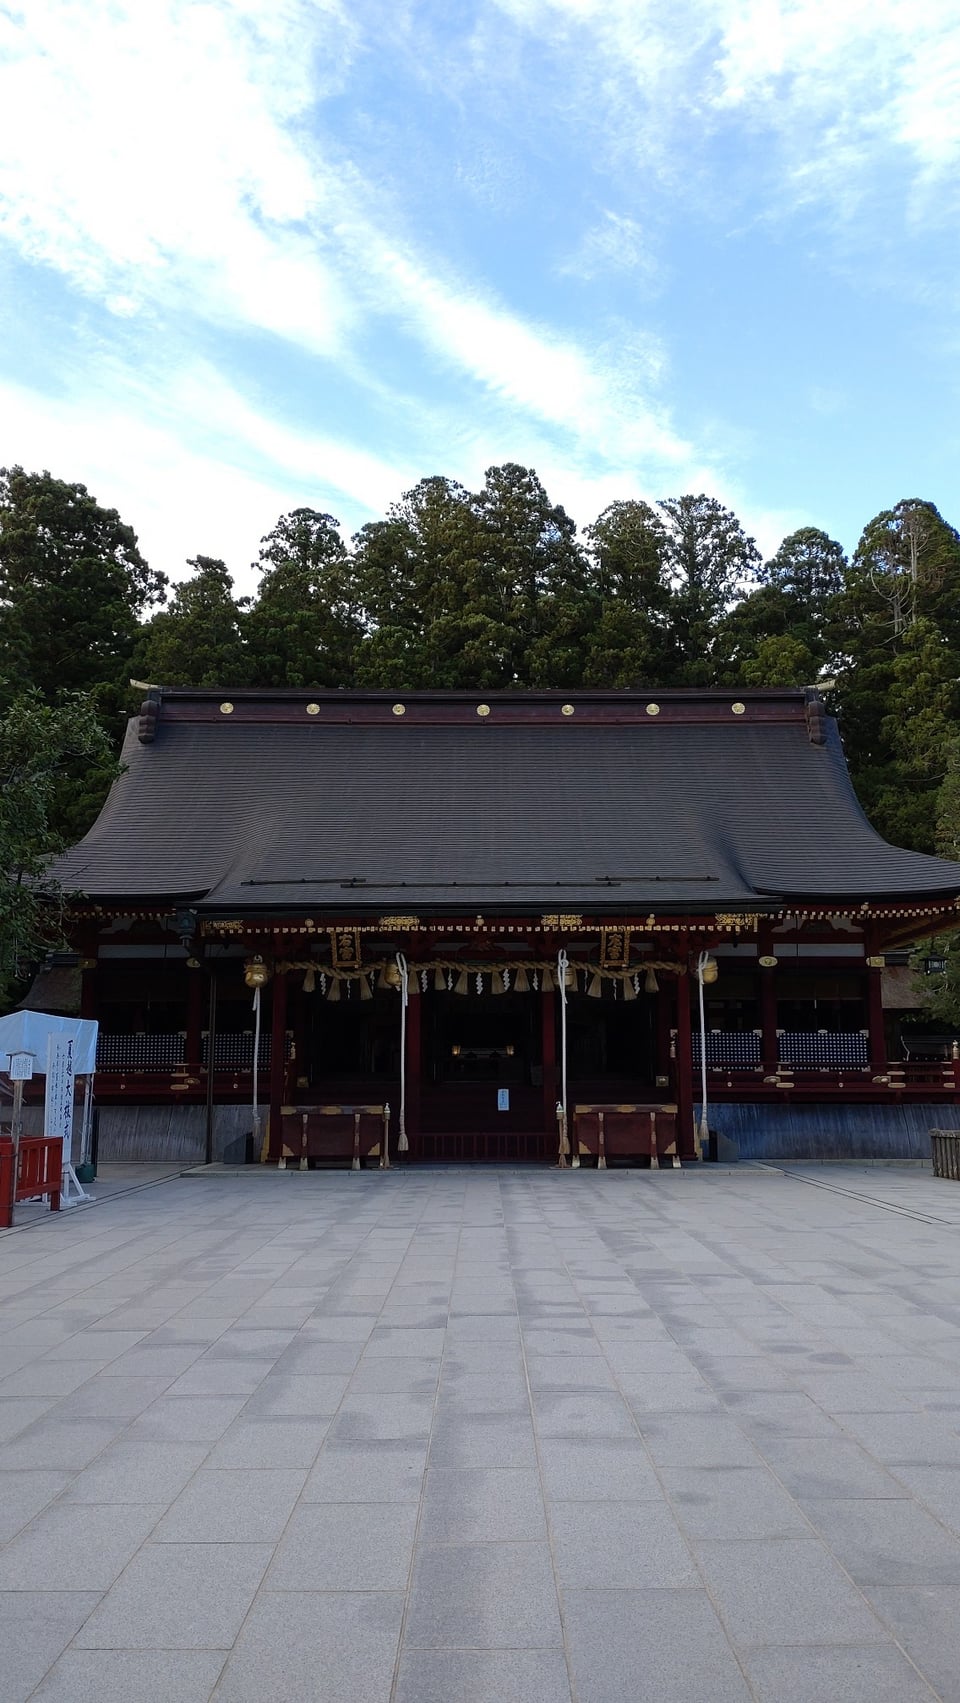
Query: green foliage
column 41, row 747
column 73, row 586
column 631, row 641
column 908, row 560
column 710, row 561
column 302, row 629
column 197, row 640
column 938, row 994
column 486, row 589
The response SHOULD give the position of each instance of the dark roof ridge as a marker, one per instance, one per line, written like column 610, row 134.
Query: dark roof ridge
column 471, row 694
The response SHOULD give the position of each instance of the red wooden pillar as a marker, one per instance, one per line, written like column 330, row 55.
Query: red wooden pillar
column 278, row 1047
column 196, row 1000
column 414, row 1060
column 769, row 1044
column 88, row 985
column 548, row 1025
column 663, row 1033
column 686, row 1143
column 875, row 1023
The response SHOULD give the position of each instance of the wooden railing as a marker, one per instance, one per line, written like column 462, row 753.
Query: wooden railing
column 39, row 1167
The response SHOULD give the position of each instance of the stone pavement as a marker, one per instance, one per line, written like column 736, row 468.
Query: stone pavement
column 457, row 1436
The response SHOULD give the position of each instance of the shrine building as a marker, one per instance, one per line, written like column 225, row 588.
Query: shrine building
column 496, row 915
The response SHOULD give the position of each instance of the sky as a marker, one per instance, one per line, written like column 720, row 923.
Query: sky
column 262, row 254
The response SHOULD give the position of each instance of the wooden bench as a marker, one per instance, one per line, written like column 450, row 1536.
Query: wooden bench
column 625, row 1132
column 351, row 1133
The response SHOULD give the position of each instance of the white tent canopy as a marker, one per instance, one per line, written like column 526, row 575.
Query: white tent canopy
column 29, row 1032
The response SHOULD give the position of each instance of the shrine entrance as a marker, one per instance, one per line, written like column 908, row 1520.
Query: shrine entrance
column 482, row 1076
column 482, row 1048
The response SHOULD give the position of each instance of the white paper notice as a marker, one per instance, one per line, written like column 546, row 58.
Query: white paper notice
column 58, row 1107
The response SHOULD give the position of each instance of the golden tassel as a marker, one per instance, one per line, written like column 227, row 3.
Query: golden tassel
column 595, row 989
column 650, row 983
column 462, row 984
column 440, row 980
column 629, row 991
column 366, row 992
column 310, row 981
column 547, row 982
column 521, row 981
column 382, row 978
column 334, row 988
column 497, row 983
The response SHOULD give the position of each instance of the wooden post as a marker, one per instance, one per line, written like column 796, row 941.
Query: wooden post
column 88, row 985
column 548, row 1024
column 769, row 1044
column 686, row 1141
column 414, row 1062
column 278, row 1037
column 193, row 1046
column 662, row 1067
column 211, row 1064
column 875, row 1023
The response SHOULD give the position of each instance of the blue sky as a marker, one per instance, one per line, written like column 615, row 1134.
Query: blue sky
column 263, row 253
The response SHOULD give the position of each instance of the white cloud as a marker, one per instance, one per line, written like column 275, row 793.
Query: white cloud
column 166, row 159
column 145, row 153
column 155, row 155
column 615, row 243
column 837, row 84
column 190, row 464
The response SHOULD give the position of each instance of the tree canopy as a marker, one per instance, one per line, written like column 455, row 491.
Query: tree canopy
column 41, row 746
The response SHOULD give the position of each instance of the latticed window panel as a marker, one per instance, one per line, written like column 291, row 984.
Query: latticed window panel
column 729, row 1048
column 141, row 1051
column 818, row 1050
column 235, row 1052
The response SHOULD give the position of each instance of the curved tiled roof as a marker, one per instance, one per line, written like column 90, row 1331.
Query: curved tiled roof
column 530, row 801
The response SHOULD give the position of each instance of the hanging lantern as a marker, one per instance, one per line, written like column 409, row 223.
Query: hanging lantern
column 255, row 972
column 650, row 983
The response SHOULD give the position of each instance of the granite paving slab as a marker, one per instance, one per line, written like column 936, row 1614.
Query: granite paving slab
column 450, row 1436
